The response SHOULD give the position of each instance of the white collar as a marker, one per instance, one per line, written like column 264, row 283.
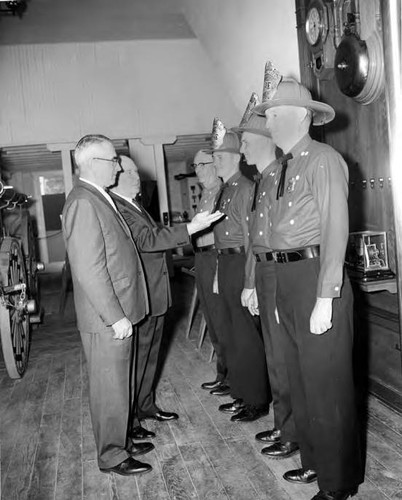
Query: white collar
column 101, row 190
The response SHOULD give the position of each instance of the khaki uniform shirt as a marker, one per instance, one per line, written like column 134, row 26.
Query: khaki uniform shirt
column 207, row 203
column 313, row 210
column 258, row 220
column 232, row 231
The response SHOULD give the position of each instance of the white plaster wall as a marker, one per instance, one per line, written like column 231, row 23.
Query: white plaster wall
column 67, row 21
column 239, row 36
column 59, row 92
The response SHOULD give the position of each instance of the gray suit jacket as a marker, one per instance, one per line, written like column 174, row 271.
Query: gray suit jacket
column 152, row 240
column 107, row 273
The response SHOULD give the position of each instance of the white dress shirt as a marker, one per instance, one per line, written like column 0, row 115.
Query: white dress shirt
column 102, row 191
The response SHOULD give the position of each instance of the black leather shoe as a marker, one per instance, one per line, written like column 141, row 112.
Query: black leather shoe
column 139, row 432
column 303, row 476
column 128, row 467
column 272, row 436
column 139, row 448
column 163, row 416
column 209, row 386
column 335, row 495
column 232, row 407
column 281, row 450
column 222, row 390
column 249, row 414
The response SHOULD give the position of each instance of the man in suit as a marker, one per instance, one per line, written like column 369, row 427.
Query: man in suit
column 110, row 297
column 152, row 240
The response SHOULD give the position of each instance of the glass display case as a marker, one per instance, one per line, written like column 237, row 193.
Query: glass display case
column 367, row 256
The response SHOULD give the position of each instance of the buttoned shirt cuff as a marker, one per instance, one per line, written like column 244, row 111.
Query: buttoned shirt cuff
column 249, row 282
column 329, row 290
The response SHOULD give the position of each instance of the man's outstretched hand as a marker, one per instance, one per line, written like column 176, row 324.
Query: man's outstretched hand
column 203, row 220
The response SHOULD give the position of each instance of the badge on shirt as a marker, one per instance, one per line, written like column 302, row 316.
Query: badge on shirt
column 291, row 185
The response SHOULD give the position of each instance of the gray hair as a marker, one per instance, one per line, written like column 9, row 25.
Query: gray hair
column 85, row 143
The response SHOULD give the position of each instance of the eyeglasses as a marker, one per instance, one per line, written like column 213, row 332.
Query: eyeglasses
column 195, row 165
column 115, row 160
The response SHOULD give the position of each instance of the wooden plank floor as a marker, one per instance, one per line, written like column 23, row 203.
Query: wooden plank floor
column 48, row 451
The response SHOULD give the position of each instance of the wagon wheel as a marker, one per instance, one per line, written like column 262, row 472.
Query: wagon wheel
column 19, row 224
column 14, row 318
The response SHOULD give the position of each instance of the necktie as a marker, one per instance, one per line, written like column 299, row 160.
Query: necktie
column 257, row 180
column 137, row 204
column 218, row 198
column 142, row 210
column 281, row 186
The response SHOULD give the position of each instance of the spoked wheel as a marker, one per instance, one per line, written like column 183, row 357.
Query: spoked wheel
column 19, row 225
column 14, row 317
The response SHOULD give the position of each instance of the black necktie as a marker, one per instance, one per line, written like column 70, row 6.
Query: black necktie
column 219, row 196
column 281, row 186
column 257, row 180
column 137, row 204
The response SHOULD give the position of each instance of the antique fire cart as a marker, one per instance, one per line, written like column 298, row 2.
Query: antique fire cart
column 18, row 280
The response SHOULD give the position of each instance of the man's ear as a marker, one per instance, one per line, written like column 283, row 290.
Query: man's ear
column 301, row 114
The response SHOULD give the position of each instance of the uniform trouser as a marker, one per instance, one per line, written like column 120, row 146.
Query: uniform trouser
column 265, row 279
column 320, row 376
column 247, row 368
column 111, row 391
column 205, row 267
column 148, row 344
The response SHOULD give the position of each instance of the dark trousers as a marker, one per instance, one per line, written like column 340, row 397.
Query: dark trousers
column 205, row 267
column 111, row 383
column 148, row 344
column 265, row 279
column 244, row 348
column 320, row 376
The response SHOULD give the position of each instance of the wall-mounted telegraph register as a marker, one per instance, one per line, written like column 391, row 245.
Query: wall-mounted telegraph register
column 344, row 40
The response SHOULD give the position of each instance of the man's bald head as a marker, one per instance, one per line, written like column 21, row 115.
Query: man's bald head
column 288, row 124
column 128, row 181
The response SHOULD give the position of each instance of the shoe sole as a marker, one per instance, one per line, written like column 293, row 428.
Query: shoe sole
column 282, row 457
column 160, row 419
column 300, row 482
column 105, row 471
column 268, row 441
column 229, row 411
column 250, row 419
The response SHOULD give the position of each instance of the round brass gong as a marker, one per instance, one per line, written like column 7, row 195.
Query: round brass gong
column 351, row 65
column 359, row 69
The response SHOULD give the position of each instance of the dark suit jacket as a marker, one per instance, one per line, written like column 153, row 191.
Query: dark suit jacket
column 151, row 240
column 108, row 278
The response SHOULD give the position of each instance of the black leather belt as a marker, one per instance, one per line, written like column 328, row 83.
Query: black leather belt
column 264, row 257
column 205, row 248
column 283, row 256
column 227, row 251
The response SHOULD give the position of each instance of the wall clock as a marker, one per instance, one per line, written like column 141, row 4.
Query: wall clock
column 316, row 24
column 318, row 32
